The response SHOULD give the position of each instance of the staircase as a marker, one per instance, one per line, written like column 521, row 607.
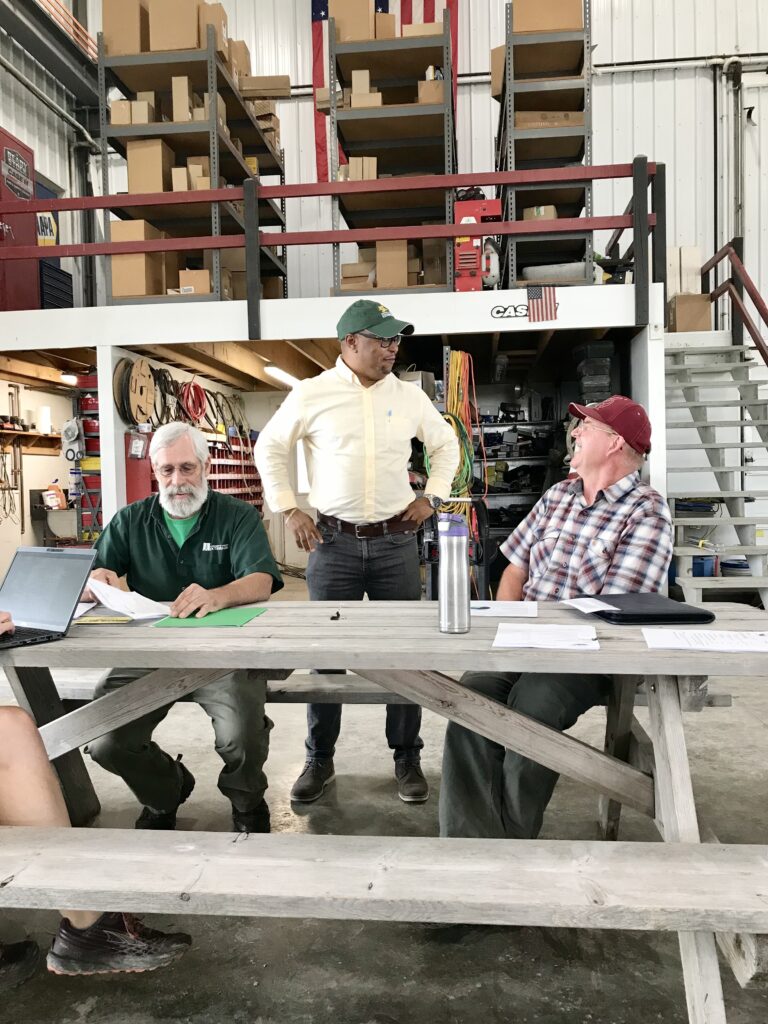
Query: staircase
column 717, row 448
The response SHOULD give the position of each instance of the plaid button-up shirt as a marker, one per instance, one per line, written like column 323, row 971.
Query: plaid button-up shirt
column 621, row 544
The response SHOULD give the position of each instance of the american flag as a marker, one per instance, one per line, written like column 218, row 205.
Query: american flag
column 406, row 12
column 542, row 304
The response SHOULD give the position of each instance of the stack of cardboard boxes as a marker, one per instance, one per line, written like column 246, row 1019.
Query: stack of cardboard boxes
column 357, row 20
column 387, row 265
column 362, row 93
column 688, row 309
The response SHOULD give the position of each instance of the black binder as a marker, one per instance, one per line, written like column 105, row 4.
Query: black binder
column 652, row 610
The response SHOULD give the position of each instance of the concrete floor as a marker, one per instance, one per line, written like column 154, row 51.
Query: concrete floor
column 263, row 971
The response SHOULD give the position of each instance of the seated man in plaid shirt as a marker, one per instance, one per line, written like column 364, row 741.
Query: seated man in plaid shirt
column 606, row 532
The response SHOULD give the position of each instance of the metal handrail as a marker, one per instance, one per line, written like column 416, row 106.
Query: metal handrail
column 734, row 290
column 69, row 24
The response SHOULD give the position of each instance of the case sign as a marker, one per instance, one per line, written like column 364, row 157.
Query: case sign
column 15, row 172
column 47, row 229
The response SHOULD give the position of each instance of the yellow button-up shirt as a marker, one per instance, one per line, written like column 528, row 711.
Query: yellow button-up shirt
column 357, row 443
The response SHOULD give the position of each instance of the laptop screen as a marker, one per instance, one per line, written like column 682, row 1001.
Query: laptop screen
column 42, row 586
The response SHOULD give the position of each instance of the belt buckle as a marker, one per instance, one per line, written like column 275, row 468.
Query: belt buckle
column 358, row 527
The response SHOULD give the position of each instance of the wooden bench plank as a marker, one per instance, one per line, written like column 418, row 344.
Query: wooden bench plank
column 635, row 886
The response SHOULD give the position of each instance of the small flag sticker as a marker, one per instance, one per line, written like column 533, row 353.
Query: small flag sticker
column 542, row 304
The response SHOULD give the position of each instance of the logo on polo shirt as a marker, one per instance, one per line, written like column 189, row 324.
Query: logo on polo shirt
column 215, row 547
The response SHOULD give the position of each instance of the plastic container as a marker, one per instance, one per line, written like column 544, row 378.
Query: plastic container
column 704, row 565
column 92, row 445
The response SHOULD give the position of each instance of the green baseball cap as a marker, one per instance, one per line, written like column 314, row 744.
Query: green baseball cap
column 365, row 315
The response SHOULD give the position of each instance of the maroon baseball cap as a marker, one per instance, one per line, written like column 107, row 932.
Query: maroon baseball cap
column 627, row 418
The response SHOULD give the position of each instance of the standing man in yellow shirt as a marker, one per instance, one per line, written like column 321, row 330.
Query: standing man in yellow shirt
column 356, row 422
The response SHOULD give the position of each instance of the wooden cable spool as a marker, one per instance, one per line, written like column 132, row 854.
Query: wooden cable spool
column 141, row 392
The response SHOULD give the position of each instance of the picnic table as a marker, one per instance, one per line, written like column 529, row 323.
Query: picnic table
column 709, row 893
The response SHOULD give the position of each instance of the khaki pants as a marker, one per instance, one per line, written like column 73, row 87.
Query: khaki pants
column 235, row 705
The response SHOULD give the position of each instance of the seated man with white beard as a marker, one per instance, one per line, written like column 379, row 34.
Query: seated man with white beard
column 201, row 551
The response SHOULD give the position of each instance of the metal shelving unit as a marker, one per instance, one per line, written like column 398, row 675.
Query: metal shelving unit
column 207, row 72
column 546, row 71
column 410, row 138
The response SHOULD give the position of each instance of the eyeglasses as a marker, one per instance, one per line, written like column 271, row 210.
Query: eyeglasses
column 591, row 425
column 384, row 342
column 186, row 469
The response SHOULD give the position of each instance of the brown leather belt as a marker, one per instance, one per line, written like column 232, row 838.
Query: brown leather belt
column 364, row 530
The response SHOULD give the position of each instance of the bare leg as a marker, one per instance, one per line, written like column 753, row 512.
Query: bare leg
column 29, row 790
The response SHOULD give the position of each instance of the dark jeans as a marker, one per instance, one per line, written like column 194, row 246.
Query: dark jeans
column 344, row 568
column 488, row 791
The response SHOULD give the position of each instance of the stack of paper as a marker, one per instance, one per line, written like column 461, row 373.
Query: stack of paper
column 549, row 638
column 127, row 602
column 706, row 640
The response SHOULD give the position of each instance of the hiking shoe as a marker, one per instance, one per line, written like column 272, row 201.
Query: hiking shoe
column 256, row 820
column 315, row 776
column 18, row 962
column 116, row 943
column 166, row 820
column 412, row 787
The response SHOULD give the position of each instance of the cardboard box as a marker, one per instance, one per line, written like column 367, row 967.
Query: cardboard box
column 214, row 14
column 201, row 183
column 690, row 269
column 231, row 259
column 239, row 59
column 498, row 57
column 266, row 87
column 181, row 98
column 198, row 114
column 417, row 29
column 142, row 112
column 125, row 24
column 180, row 181
column 361, row 81
column 370, row 168
column 120, row 112
column 392, row 264
column 269, row 122
column 552, row 16
column 141, row 273
column 356, row 168
column 253, row 164
column 434, row 261
column 263, row 108
column 540, row 213
column 549, row 119
column 366, row 99
column 386, row 26
column 150, row 162
column 272, row 288
column 197, row 282
column 432, row 92
column 355, row 284
column 173, row 24
column 221, row 109
column 413, row 280
column 414, row 265
column 355, row 19
column 199, row 165
column 690, row 313
column 357, row 269
column 239, row 286
column 366, row 253
column 425, row 381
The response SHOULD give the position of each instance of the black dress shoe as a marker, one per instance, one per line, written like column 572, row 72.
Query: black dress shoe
column 315, row 776
column 166, row 820
column 256, row 820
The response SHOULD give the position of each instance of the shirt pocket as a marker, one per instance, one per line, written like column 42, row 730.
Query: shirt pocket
column 397, row 431
column 542, row 552
column 595, row 564
column 215, row 569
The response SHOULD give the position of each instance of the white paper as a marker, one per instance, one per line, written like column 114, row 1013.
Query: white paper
column 590, row 605
column 505, row 609
column 550, row 638
column 706, row 640
column 127, row 602
column 82, row 608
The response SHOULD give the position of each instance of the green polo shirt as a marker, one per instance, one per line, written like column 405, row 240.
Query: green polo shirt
column 227, row 542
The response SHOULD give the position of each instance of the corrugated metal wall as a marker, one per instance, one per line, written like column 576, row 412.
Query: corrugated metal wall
column 665, row 113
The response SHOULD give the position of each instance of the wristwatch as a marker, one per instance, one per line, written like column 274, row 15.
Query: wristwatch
column 434, row 501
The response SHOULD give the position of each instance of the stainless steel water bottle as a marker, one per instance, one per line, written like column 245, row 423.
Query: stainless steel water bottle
column 453, row 577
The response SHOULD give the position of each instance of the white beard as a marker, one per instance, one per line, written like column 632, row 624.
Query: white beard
column 182, row 502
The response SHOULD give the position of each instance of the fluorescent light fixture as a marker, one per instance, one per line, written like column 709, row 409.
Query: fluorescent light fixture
column 68, row 378
column 277, row 374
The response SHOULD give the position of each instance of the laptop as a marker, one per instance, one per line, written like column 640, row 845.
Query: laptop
column 41, row 590
column 651, row 610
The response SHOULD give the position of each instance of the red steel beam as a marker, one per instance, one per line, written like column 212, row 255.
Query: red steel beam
column 432, row 182
column 527, row 228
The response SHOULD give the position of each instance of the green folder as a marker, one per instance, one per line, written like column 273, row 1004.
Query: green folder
column 226, row 617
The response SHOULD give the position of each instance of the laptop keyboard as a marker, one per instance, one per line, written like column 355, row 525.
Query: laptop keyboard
column 26, row 635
